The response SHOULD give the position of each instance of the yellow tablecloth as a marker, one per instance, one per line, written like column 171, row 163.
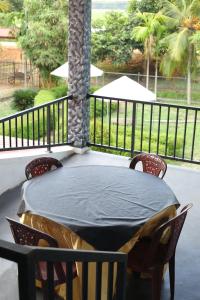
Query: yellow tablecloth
column 68, row 239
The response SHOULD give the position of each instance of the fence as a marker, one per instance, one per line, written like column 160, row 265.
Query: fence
column 171, row 131
column 14, row 73
column 168, row 88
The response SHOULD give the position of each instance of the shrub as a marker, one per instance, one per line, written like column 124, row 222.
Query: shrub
column 99, row 138
column 99, row 108
column 94, row 88
column 60, row 91
column 23, row 99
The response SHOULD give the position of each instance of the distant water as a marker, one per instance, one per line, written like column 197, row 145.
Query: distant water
column 109, row 5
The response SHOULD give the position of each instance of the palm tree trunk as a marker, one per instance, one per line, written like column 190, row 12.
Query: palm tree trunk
column 189, row 79
column 156, row 78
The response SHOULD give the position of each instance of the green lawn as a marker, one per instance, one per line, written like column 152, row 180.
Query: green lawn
column 6, row 108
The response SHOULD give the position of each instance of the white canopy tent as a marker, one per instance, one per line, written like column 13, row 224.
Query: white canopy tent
column 126, row 88
column 62, row 71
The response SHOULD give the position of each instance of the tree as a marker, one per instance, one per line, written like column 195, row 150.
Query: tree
column 17, row 5
column 158, row 51
column 182, row 45
column 11, row 19
column 43, row 35
column 4, row 6
column 151, row 25
column 111, row 39
column 152, row 6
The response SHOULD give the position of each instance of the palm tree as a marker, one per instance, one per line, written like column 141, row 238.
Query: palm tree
column 182, row 46
column 4, row 6
column 147, row 32
column 158, row 51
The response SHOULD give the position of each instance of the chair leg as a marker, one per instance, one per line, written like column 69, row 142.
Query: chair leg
column 157, row 275
column 172, row 276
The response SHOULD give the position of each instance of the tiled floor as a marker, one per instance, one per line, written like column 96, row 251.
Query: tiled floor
column 186, row 185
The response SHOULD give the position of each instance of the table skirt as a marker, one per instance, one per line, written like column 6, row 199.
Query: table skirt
column 68, row 239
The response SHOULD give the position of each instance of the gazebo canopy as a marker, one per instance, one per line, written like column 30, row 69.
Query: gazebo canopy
column 126, row 88
column 62, row 71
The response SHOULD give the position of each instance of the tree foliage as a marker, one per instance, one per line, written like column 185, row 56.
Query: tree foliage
column 185, row 16
column 151, row 6
column 4, row 6
column 111, row 38
column 183, row 43
column 43, row 34
column 150, row 28
column 16, row 5
column 10, row 19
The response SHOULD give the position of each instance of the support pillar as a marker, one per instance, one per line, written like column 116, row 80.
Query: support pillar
column 79, row 71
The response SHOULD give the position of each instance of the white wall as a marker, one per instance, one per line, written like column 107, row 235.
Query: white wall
column 12, row 164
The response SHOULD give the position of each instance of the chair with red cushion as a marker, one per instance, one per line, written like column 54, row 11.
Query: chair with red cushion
column 41, row 165
column 26, row 235
column 151, row 163
column 149, row 255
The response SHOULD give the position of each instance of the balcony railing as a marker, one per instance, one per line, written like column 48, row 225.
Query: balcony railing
column 38, row 127
column 171, row 131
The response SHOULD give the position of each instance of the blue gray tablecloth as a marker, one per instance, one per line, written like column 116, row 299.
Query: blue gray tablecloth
column 104, row 205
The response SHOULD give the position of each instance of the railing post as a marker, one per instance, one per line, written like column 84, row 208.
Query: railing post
column 48, row 128
column 26, row 279
column 133, row 128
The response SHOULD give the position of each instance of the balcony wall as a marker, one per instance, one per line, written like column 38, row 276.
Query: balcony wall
column 12, row 164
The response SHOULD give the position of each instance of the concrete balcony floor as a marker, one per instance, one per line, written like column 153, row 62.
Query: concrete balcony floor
column 186, row 185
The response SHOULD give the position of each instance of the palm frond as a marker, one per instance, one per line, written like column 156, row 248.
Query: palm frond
column 178, row 45
column 140, row 33
column 172, row 10
column 4, row 6
column 195, row 8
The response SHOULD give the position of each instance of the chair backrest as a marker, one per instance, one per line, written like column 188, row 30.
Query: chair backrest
column 161, row 252
column 151, row 163
column 27, row 288
column 41, row 165
column 26, row 235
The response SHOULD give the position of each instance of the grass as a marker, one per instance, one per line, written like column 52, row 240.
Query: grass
column 180, row 96
column 6, row 108
column 44, row 96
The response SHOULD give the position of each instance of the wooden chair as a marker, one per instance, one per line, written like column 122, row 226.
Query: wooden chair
column 26, row 235
column 151, row 163
column 149, row 255
column 41, row 165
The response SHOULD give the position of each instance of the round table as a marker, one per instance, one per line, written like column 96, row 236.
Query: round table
column 104, row 205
